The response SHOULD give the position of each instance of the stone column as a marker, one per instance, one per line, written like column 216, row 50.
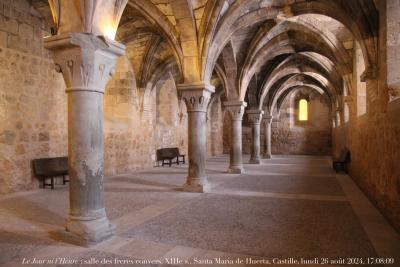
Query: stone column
column 268, row 121
column 196, row 97
column 236, row 110
column 255, row 120
column 86, row 62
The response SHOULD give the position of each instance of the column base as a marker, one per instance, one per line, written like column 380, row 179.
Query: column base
column 196, row 185
column 255, row 161
column 235, row 169
column 87, row 233
column 267, row 157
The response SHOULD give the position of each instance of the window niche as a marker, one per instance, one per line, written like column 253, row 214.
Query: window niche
column 301, row 115
column 303, row 110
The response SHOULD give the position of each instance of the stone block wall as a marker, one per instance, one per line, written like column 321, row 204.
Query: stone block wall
column 226, row 140
column 33, row 103
column 392, row 47
column 215, row 130
column 290, row 137
column 170, row 117
column 33, row 108
column 128, row 136
column 311, row 137
column 20, row 28
column 372, row 133
column 374, row 142
column 33, row 116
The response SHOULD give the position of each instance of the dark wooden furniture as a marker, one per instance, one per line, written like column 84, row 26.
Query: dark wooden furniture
column 167, row 155
column 340, row 164
column 49, row 168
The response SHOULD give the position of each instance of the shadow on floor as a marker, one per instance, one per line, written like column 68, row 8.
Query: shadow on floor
column 139, row 181
column 32, row 211
column 141, row 190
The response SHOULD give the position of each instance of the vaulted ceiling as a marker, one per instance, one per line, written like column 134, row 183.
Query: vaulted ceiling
column 256, row 50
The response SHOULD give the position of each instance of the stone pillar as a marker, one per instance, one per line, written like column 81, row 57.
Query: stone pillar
column 255, row 120
column 268, row 121
column 236, row 110
column 86, row 62
column 196, row 97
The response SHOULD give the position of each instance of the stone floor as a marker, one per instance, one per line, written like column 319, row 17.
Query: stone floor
column 288, row 209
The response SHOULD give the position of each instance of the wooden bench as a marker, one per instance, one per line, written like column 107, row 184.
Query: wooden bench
column 340, row 164
column 167, row 155
column 49, row 168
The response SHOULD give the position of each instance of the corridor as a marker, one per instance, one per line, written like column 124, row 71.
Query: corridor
column 288, row 210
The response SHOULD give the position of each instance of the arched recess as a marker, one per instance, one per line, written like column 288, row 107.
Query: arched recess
column 300, row 41
column 309, row 32
column 220, row 73
column 265, row 57
column 275, row 100
column 312, row 136
column 169, row 114
column 286, row 72
column 215, row 117
column 163, row 71
column 305, row 63
column 363, row 26
column 152, row 14
column 360, row 17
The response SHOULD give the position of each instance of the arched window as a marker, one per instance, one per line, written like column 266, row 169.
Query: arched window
column 303, row 110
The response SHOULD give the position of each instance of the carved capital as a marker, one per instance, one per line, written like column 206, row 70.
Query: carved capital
column 235, row 109
column 196, row 96
column 267, row 119
column 255, row 115
column 85, row 60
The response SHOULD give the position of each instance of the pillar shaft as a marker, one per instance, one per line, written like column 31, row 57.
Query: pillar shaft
column 268, row 121
column 86, row 62
column 236, row 110
column 196, row 97
column 255, row 120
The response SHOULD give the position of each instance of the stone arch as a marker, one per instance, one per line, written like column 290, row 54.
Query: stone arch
column 364, row 26
column 286, row 72
column 278, row 95
column 156, row 17
column 283, row 40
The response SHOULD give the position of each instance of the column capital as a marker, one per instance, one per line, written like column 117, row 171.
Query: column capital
column 196, row 95
column 267, row 118
column 235, row 109
column 255, row 115
column 85, row 60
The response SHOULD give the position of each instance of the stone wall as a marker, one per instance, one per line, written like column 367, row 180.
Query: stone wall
column 33, row 107
column 392, row 46
column 374, row 142
column 20, row 28
column 33, row 103
column 372, row 133
column 226, row 140
column 128, row 134
column 170, row 117
column 215, row 117
column 291, row 137
column 311, row 137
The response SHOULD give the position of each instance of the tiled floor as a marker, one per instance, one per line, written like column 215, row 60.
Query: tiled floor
column 288, row 208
